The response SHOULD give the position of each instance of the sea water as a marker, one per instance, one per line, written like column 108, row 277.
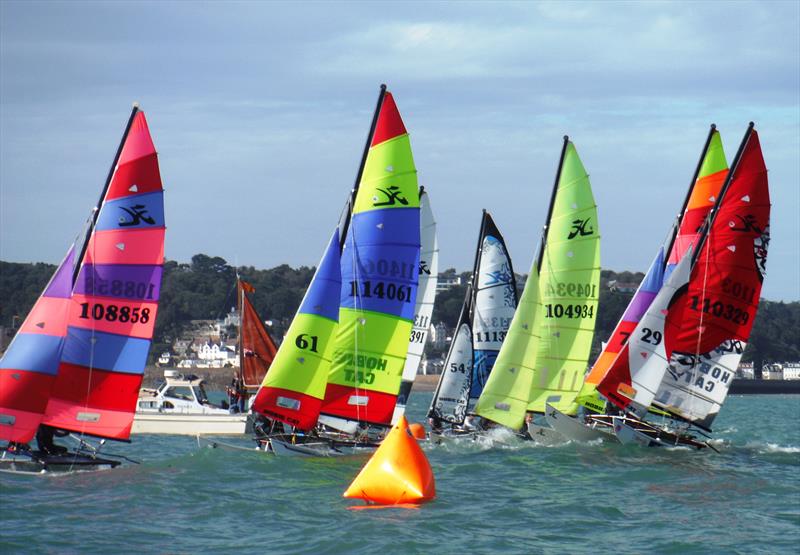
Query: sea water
column 504, row 496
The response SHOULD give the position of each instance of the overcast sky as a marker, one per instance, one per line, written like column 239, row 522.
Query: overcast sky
column 259, row 112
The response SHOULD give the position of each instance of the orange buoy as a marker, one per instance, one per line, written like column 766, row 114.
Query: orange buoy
column 417, row 430
column 398, row 472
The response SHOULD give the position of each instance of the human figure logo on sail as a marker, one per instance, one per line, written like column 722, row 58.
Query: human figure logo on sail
column 423, row 268
column 137, row 212
column 748, row 223
column 392, row 194
column 579, row 228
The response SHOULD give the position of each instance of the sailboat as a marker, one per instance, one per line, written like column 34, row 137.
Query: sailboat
column 704, row 188
column 426, row 296
column 77, row 362
column 180, row 404
column 685, row 350
column 486, row 314
column 337, row 375
column 544, row 355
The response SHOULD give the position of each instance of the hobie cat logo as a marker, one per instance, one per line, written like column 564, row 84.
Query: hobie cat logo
column 138, row 214
column 579, row 227
column 392, row 196
column 423, row 268
column 746, row 223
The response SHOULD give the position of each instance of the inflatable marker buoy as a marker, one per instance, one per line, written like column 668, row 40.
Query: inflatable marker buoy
column 418, row 431
column 397, row 473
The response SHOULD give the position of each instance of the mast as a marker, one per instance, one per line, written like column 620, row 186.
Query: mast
column 370, row 136
column 96, row 211
column 552, row 204
column 713, row 214
column 674, row 233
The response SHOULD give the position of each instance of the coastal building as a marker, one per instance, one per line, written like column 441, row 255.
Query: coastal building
column 438, row 335
column 791, row 371
column 746, row 371
column 445, row 282
column 772, row 372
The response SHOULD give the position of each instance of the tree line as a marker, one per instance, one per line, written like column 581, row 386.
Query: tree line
column 205, row 288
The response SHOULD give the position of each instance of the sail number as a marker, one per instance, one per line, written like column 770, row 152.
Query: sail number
column 114, row 313
column 736, row 289
column 652, row 337
column 570, row 311
column 119, row 288
column 380, row 290
column 418, row 336
column 719, row 309
column 486, row 336
column 458, row 367
column 305, row 341
column 580, row 290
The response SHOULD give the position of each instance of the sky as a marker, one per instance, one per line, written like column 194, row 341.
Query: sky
column 260, row 110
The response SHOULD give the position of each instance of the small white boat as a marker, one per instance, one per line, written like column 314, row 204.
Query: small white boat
column 180, row 406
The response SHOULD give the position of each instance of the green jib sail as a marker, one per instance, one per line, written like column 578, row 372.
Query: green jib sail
column 547, row 347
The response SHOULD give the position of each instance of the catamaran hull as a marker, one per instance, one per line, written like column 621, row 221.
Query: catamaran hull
column 37, row 463
column 572, row 428
column 191, row 424
column 635, row 432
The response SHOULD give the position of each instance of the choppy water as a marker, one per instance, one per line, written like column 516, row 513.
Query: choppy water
column 519, row 498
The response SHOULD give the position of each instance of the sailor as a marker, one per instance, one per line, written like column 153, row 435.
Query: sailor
column 435, row 423
column 44, row 439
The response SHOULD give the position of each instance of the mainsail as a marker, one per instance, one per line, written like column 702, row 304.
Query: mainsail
column 293, row 389
column 489, row 306
column 101, row 312
column 256, row 348
column 380, row 266
column 545, row 351
column 704, row 188
column 697, row 333
column 426, row 295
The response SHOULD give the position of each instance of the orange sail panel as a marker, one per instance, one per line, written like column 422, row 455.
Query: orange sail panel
column 114, row 300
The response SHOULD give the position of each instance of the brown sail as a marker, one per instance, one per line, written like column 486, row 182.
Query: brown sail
column 256, row 347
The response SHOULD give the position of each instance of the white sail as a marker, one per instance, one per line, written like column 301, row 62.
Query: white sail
column 452, row 395
column 647, row 352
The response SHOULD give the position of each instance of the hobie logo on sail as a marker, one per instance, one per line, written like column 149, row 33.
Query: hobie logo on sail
column 362, row 361
column 392, row 196
column 579, row 228
column 700, row 371
column 137, row 214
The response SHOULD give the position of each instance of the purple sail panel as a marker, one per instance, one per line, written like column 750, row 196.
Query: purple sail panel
column 120, row 281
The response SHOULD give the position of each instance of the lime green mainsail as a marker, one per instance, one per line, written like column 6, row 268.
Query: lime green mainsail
column 547, row 347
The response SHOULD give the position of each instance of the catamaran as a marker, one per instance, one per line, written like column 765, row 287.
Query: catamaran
column 76, row 364
column 544, row 355
column 486, row 314
column 684, row 352
column 596, row 422
column 337, row 375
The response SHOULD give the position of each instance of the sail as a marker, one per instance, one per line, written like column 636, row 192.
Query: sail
column 293, row 389
column 426, row 295
column 489, row 306
column 380, row 265
column 28, row 367
column 114, row 297
column 495, row 301
column 636, row 372
column 569, row 281
column 256, row 348
column 710, row 322
column 705, row 186
column 547, row 346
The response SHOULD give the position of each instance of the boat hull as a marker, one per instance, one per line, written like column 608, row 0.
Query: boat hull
column 630, row 431
column 37, row 463
column 190, row 424
column 572, row 428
